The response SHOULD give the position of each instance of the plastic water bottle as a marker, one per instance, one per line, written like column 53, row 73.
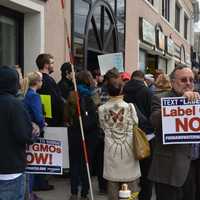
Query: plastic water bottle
column 124, row 193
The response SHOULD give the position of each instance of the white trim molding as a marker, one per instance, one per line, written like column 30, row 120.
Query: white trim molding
column 34, row 28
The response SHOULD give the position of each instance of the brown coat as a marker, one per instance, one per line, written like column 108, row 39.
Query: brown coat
column 171, row 163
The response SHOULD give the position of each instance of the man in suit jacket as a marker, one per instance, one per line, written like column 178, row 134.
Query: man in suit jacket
column 174, row 166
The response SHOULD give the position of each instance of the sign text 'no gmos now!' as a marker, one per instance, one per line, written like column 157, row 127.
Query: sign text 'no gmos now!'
column 44, row 157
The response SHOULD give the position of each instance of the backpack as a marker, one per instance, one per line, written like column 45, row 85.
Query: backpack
column 89, row 114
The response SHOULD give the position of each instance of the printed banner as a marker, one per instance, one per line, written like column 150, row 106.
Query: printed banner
column 108, row 61
column 44, row 157
column 180, row 120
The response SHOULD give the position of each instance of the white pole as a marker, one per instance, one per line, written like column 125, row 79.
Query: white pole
column 78, row 105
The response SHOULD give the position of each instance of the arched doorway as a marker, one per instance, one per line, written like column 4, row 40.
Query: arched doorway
column 101, row 35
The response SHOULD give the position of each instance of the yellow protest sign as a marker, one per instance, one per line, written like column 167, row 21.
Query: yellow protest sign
column 46, row 103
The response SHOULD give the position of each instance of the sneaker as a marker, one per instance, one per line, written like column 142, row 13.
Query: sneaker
column 73, row 197
column 44, row 188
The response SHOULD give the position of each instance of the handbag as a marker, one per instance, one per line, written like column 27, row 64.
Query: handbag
column 141, row 146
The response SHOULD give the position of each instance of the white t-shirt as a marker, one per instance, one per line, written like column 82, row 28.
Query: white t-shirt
column 6, row 177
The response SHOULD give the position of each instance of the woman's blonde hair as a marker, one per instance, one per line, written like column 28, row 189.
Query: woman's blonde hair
column 163, row 82
column 30, row 80
column 33, row 78
column 24, row 86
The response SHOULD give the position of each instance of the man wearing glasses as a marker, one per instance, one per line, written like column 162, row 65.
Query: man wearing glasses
column 174, row 166
column 45, row 64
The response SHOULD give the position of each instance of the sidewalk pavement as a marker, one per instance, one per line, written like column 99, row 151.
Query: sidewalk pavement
column 62, row 190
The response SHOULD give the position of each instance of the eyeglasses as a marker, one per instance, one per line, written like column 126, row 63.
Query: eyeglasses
column 185, row 80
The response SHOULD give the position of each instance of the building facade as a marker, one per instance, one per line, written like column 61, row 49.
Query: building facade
column 29, row 27
column 162, row 34
column 151, row 34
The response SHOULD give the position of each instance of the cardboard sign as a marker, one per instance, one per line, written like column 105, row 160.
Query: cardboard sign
column 109, row 61
column 44, row 157
column 180, row 120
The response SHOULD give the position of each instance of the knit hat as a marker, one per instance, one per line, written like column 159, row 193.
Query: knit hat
column 66, row 67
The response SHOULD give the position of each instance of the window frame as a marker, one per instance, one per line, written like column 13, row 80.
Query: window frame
column 177, row 16
column 151, row 2
column 186, row 21
column 166, row 9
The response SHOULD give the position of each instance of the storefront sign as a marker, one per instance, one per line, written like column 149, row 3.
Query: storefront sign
column 170, row 46
column 161, row 40
column 44, row 157
column 147, row 32
column 180, row 120
column 177, row 51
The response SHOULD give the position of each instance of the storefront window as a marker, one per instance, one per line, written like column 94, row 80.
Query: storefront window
column 162, row 64
column 121, row 23
column 101, row 27
column 120, row 10
column 78, row 52
column 112, row 4
column 7, row 41
column 11, row 45
column 81, row 9
column 142, row 60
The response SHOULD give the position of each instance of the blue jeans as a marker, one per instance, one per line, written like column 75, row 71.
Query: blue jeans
column 12, row 189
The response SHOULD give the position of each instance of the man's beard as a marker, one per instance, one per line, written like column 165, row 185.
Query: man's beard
column 50, row 71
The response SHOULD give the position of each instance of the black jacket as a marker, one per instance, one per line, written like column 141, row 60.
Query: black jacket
column 136, row 92
column 66, row 86
column 15, row 125
column 49, row 87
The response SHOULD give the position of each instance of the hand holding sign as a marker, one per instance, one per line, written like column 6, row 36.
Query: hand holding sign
column 191, row 96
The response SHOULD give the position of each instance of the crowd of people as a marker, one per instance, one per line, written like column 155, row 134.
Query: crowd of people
column 110, row 106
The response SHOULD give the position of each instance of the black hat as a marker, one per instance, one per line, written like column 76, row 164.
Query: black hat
column 66, row 67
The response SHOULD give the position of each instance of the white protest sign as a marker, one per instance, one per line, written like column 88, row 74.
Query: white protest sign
column 61, row 134
column 180, row 120
column 44, row 157
column 108, row 61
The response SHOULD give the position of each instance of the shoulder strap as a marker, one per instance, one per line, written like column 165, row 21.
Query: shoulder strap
column 131, row 110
